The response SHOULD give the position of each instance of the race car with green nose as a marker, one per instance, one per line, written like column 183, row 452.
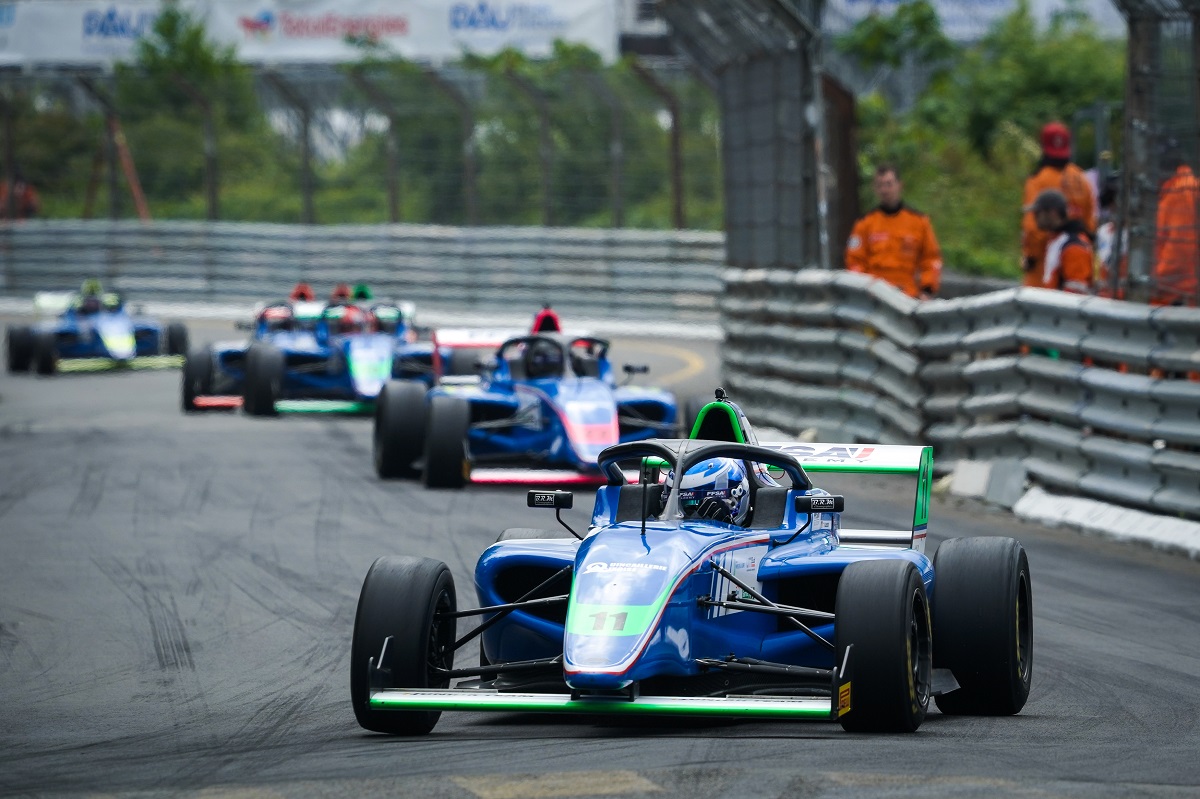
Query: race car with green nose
column 717, row 581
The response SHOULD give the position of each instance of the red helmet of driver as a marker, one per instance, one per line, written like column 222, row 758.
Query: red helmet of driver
column 302, row 293
column 341, row 293
column 352, row 320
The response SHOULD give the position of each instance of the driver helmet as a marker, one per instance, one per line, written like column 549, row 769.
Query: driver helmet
column 722, row 478
column 350, row 320
column 277, row 318
column 340, row 295
column 545, row 359
column 90, row 304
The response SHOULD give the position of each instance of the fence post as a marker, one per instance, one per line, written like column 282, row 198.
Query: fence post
column 616, row 149
column 468, row 136
column 537, row 98
column 671, row 101
column 211, row 174
column 292, row 98
column 381, row 101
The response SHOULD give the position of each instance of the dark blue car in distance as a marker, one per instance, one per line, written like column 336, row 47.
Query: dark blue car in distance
column 92, row 330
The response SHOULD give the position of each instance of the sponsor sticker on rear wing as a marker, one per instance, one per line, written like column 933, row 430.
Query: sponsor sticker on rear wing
column 873, row 459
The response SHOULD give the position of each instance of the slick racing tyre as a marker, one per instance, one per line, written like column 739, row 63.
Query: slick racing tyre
column 177, row 339
column 402, row 598
column 45, row 354
column 20, row 349
column 264, row 378
column 983, row 625
column 462, row 363
column 197, row 376
column 399, row 436
column 882, row 617
column 446, row 464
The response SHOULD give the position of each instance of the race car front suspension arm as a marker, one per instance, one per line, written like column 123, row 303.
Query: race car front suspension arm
column 505, row 609
column 766, row 603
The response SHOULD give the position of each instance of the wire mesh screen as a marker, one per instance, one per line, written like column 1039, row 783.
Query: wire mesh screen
column 1161, row 196
column 762, row 57
column 564, row 141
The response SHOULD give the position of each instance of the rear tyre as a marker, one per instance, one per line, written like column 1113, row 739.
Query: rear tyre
column 197, row 376
column 983, row 624
column 448, row 420
column 20, row 349
column 264, row 379
column 401, row 598
column 461, row 363
column 688, row 413
column 399, row 436
column 45, row 354
column 177, row 339
column 883, row 618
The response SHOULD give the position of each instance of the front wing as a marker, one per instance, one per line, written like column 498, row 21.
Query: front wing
column 67, row 365
column 478, row 699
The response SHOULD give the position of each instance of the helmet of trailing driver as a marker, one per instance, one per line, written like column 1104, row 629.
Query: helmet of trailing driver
column 722, row 479
column 350, row 320
column 340, row 295
column 277, row 317
column 544, row 359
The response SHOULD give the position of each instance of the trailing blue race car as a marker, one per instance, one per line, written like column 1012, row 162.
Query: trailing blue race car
column 307, row 356
column 720, row 582
column 92, row 331
column 545, row 400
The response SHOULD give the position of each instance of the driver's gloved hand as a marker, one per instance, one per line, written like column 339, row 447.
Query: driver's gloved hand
column 715, row 508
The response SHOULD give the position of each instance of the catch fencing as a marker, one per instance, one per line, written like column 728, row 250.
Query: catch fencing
column 1096, row 397
column 668, row 276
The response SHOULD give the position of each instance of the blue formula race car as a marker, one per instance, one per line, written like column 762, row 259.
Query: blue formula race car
column 544, row 407
column 92, row 331
column 719, row 583
column 307, row 356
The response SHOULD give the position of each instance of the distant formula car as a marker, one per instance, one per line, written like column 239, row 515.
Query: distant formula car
column 719, row 582
column 92, row 330
column 542, row 410
column 307, row 356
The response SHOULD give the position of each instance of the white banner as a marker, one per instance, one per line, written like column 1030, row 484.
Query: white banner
column 310, row 31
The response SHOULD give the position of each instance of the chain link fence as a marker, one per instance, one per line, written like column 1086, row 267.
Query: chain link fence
column 566, row 141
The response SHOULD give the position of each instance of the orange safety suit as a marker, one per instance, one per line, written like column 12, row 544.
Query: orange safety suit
column 1081, row 205
column 897, row 246
column 1176, row 255
column 1068, row 262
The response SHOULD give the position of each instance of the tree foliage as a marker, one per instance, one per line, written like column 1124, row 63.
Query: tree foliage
column 966, row 146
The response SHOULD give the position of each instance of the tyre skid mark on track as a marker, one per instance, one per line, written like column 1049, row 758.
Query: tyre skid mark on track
column 172, row 649
column 91, row 491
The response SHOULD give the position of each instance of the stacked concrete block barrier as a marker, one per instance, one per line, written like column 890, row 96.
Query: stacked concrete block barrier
column 626, row 274
column 1091, row 396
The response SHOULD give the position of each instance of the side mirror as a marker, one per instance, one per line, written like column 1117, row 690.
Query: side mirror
column 820, row 504
column 242, row 324
column 559, row 500
column 636, row 368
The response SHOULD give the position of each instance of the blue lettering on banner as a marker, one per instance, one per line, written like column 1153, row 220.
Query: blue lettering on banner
column 503, row 17
column 8, row 14
column 117, row 24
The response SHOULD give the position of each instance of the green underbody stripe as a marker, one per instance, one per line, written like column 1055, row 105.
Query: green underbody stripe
column 323, row 406
column 800, row 708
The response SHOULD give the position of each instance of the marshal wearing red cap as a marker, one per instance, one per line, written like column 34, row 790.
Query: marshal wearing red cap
column 1054, row 171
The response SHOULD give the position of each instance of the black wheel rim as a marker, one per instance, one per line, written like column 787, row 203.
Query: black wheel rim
column 920, row 652
column 1024, row 630
column 441, row 641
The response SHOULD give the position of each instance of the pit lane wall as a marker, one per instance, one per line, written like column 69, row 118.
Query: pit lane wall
column 1090, row 396
column 647, row 275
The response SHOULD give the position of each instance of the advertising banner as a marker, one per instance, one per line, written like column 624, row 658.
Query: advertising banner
column 309, row 31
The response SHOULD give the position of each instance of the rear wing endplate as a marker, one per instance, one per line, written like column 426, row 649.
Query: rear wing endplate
column 873, row 459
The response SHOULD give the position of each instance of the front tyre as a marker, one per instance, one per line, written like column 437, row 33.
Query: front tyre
column 407, row 599
column 177, row 339
column 399, row 435
column 882, row 617
column 45, row 353
column 264, row 379
column 20, row 349
column 446, row 464
column 983, row 624
column 197, row 376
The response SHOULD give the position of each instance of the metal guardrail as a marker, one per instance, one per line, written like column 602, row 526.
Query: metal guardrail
column 672, row 276
column 1095, row 396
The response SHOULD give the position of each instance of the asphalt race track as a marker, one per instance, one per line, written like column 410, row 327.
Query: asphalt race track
column 177, row 595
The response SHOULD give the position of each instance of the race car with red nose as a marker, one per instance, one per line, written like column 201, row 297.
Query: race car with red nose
column 718, row 581
column 541, row 411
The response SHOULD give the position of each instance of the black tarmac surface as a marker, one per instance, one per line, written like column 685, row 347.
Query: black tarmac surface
column 177, row 595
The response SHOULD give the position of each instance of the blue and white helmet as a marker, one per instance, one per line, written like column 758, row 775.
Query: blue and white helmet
column 724, row 478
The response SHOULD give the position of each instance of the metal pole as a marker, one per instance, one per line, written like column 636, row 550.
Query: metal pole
column 616, row 149
column 1139, row 198
column 382, row 102
column 470, row 192
column 211, row 164
column 678, row 217
column 307, row 184
column 537, row 99
column 10, row 157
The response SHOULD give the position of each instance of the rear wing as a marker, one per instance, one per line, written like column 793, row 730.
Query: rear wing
column 873, row 459
column 52, row 303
